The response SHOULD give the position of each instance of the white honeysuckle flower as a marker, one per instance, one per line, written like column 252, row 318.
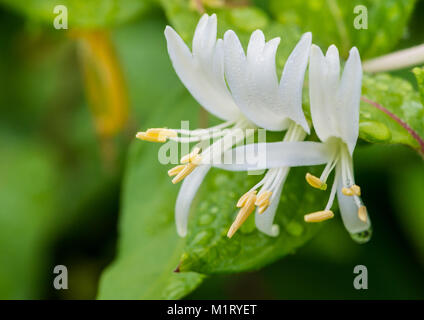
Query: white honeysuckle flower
column 335, row 115
column 202, row 72
column 269, row 104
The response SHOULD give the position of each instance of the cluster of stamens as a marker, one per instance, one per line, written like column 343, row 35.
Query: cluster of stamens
column 247, row 204
column 351, row 191
column 189, row 163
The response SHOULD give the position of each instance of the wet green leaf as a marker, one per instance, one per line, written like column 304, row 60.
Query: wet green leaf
column 28, row 201
column 402, row 106
column 333, row 22
column 419, row 75
column 208, row 249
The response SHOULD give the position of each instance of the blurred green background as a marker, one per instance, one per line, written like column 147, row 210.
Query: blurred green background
column 64, row 135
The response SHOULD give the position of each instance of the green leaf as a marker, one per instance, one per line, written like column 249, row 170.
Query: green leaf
column 28, row 193
column 208, row 249
column 81, row 13
column 332, row 22
column 401, row 109
column 148, row 247
column 419, row 75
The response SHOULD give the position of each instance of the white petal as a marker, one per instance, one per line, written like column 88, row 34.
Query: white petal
column 349, row 211
column 264, row 222
column 333, row 69
column 185, row 197
column 260, row 156
column 292, row 79
column 320, row 111
column 201, row 72
column 256, row 46
column 349, row 98
column 253, row 79
column 198, row 37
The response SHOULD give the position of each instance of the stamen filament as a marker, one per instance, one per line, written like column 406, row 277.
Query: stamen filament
column 332, row 192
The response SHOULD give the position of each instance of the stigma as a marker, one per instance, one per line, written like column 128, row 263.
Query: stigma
column 156, row 135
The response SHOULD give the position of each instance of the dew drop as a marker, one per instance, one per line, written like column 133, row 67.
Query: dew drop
column 362, row 237
column 294, row 228
column 374, row 131
column 205, row 219
column 214, row 209
column 203, row 237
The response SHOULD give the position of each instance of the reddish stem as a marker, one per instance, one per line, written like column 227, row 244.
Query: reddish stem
column 398, row 120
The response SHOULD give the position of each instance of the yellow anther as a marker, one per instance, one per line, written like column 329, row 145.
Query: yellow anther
column 356, row 190
column 362, row 213
column 263, row 207
column 315, row 182
column 319, row 216
column 189, row 157
column 184, row 172
column 246, row 209
column 176, row 170
column 162, row 132
column 263, row 198
column 347, row 191
column 156, row 135
column 242, row 201
column 152, row 138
